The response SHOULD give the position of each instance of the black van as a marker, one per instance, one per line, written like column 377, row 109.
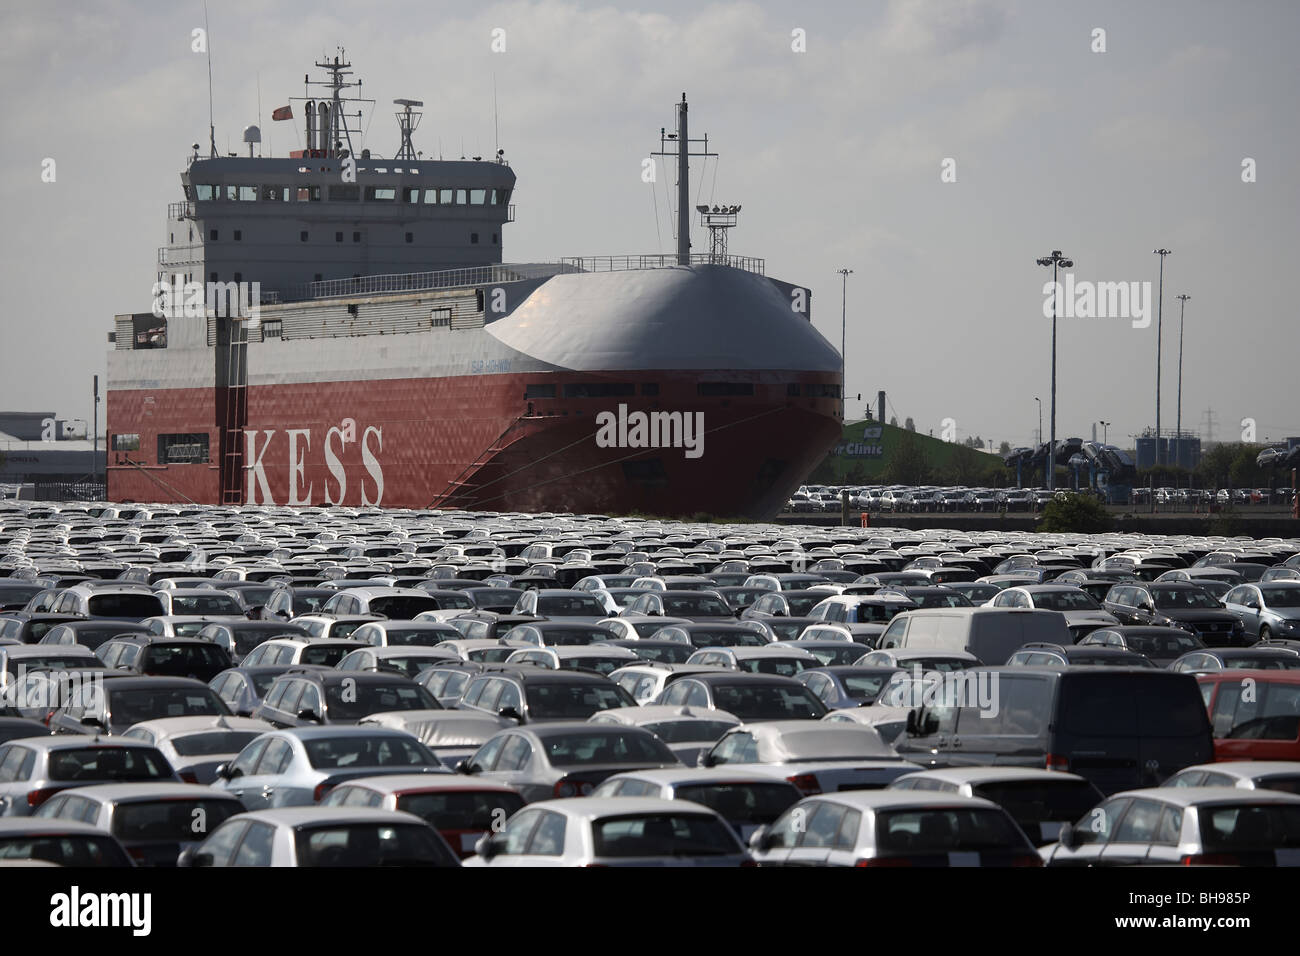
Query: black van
column 1120, row 727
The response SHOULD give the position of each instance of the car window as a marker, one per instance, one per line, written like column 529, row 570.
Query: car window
column 548, row 837
column 822, row 826
column 516, row 753
column 486, row 756
column 1139, row 824
column 249, row 756
column 1098, row 823
column 519, row 829
column 221, row 845
column 276, row 759
column 255, row 847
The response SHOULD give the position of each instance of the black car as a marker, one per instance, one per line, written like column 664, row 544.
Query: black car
column 1260, row 657
column 846, row 685
column 12, row 728
column 1045, row 654
column 29, row 628
column 447, row 681
column 930, row 597
column 531, row 694
column 154, row 655
column 1160, row 645
column 242, row 688
column 1122, row 728
column 1176, row 604
column 91, row 633
column 129, row 700
column 751, row 697
column 237, row 638
column 670, row 652
column 308, row 696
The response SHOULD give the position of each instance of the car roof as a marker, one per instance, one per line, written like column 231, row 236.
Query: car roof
column 78, row 741
column 154, row 790
column 324, row 816
column 1249, row 769
column 979, row 775
column 1195, row 796
column 408, row 782
column 598, row 807
column 169, row 726
column 691, row 775
column 51, row 825
column 905, row 799
column 659, row 713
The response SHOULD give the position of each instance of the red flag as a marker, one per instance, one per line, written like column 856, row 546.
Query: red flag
column 283, row 113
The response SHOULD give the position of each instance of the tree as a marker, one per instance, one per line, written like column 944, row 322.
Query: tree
column 908, row 464
column 1078, row 513
column 1004, row 448
column 909, row 424
column 893, row 421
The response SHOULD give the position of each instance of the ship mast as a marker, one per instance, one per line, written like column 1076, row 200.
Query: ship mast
column 682, row 142
column 329, row 133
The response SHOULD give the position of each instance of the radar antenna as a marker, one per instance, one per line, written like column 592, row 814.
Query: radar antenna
column 408, row 120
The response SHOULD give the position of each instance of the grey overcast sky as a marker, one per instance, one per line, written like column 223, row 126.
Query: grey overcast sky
column 835, row 153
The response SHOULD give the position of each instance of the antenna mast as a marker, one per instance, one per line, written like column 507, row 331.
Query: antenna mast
column 331, row 134
column 683, row 153
column 212, row 129
column 407, row 121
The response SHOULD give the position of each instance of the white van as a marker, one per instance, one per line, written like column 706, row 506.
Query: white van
column 992, row 634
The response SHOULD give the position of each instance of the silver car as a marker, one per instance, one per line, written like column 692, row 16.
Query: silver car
column 1184, row 826
column 893, row 828
column 1281, row 775
column 688, row 731
column 817, row 757
column 196, row 746
column 565, row 758
column 619, row 831
column 322, row 836
column 298, row 766
column 58, row 843
column 33, row 769
column 153, row 821
column 1268, row 609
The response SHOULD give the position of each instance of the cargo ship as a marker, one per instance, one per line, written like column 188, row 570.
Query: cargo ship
column 331, row 328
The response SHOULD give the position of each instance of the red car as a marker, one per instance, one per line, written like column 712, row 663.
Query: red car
column 1255, row 713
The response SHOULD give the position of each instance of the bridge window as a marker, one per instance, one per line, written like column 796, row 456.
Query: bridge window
column 241, row 193
column 462, row 197
column 205, row 191
column 411, row 194
column 477, row 197
column 182, row 449
column 500, row 196
column 308, row 194
column 275, row 193
column 345, row 193
column 725, row 388
column 381, row 193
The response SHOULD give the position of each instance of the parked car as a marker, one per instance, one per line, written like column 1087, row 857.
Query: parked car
column 196, row 746
column 1281, row 775
column 33, row 769
column 59, row 843
column 1160, row 645
column 1180, row 605
column 1255, row 714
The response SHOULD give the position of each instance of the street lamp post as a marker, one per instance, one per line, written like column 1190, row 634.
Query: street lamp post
column 1178, row 429
column 844, row 293
column 1040, row 418
column 1055, row 260
column 1160, row 324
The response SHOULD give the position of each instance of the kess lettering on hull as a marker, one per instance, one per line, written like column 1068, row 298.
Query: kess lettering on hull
column 298, row 446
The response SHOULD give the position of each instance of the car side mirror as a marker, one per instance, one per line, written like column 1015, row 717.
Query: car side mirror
column 708, row 760
column 1066, row 836
column 510, row 713
column 192, row 857
column 489, row 846
column 309, row 714
column 223, row 771
column 468, row 767
column 91, row 721
column 760, row 839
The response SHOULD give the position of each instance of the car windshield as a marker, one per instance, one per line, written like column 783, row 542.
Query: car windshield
column 784, row 628
column 668, row 653
column 934, row 599
column 494, row 597
column 90, row 637
column 698, row 605
column 760, row 701
column 601, row 665
column 1273, row 713
column 1250, row 827
column 943, row 830
column 108, row 763
column 397, row 637
column 575, row 605
column 1162, row 645
column 180, row 660
column 1183, row 599
column 330, row 654
column 461, row 809
column 215, row 603
column 131, row 606
column 646, row 628
column 310, row 603
column 372, row 844
column 1032, row 802
column 741, row 802
column 801, row 604
column 212, row 742
column 877, row 613
column 352, row 700
column 563, row 637
column 53, row 661
column 688, row 731
column 403, row 607
column 605, row 746
column 663, row 834
column 389, row 750
column 262, row 681
column 1065, row 601
column 740, row 637
column 136, row 704
column 828, row 656
column 1281, row 597
column 866, row 687
column 171, row 820
column 556, row 700
column 69, row 849
column 779, row 666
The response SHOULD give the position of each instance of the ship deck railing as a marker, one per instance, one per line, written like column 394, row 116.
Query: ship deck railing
column 396, row 283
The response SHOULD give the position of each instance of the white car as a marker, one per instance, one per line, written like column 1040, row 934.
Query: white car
column 196, row 746
column 614, row 831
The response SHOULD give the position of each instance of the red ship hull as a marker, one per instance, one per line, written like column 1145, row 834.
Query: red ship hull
column 477, row 443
